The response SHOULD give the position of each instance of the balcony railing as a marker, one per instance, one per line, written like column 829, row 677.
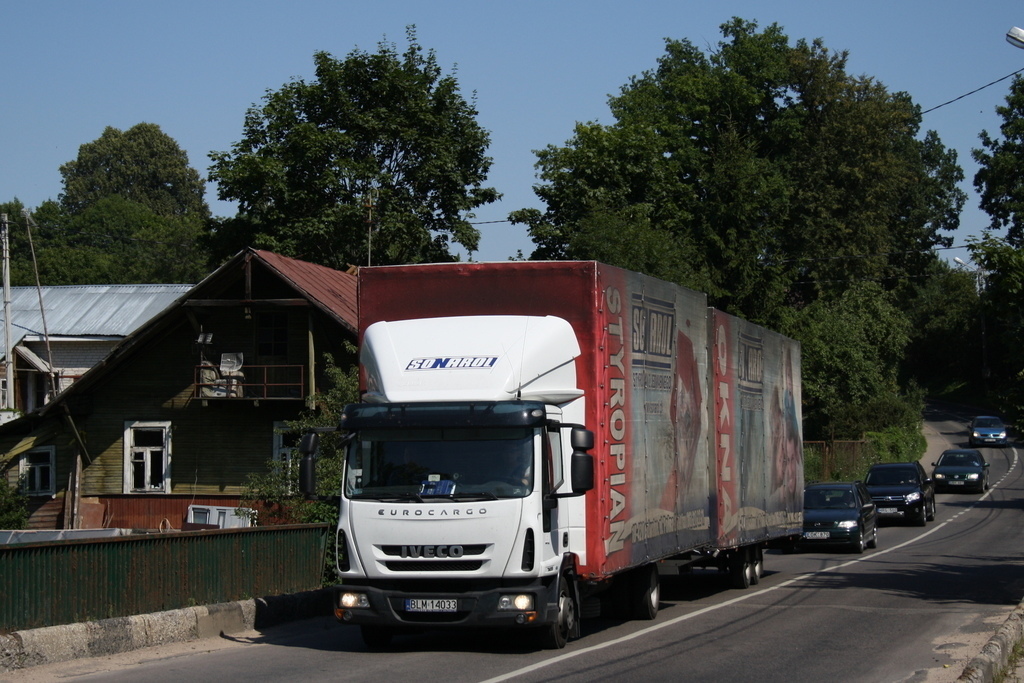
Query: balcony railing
column 251, row 382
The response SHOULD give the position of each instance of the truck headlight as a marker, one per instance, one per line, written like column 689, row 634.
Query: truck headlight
column 353, row 601
column 522, row 602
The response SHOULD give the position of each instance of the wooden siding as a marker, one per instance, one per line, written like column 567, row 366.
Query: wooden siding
column 213, row 446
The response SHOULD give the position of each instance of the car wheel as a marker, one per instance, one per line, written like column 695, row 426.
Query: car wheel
column 922, row 515
column 873, row 543
column 931, row 511
column 857, row 545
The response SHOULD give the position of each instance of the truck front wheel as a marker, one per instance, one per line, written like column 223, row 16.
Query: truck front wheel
column 556, row 635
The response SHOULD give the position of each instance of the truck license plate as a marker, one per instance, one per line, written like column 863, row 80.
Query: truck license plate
column 816, row 535
column 430, row 605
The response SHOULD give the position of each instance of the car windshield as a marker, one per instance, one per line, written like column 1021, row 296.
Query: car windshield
column 959, row 460
column 891, row 477
column 988, row 422
column 829, row 499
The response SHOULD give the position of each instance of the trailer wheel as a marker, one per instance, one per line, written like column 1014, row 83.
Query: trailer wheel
column 740, row 569
column 376, row 637
column 757, row 566
column 556, row 635
column 644, row 593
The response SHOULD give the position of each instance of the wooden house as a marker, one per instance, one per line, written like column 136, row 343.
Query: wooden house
column 184, row 408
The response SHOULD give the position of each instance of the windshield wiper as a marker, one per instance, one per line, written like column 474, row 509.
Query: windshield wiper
column 477, row 495
column 399, row 496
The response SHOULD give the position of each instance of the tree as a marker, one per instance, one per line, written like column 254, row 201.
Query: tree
column 851, row 350
column 132, row 212
column 998, row 179
column 770, row 175
column 142, row 165
column 378, row 140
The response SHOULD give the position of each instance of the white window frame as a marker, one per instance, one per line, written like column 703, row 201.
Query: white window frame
column 131, row 451
column 28, row 472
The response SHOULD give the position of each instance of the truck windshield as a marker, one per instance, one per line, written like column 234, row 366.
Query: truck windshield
column 451, row 462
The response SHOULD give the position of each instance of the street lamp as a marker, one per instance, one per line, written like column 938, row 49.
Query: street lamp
column 1015, row 37
column 979, row 274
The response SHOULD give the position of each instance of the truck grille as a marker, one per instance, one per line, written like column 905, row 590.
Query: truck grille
column 396, row 550
column 434, row 566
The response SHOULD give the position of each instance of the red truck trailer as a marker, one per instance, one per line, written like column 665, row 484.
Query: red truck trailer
column 652, row 433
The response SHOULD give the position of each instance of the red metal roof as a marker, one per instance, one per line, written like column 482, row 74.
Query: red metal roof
column 332, row 290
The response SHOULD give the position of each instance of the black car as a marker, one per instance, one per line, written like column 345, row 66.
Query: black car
column 961, row 469
column 839, row 514
column 902, row 491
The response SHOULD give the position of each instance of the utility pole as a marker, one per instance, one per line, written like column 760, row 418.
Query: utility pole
column 6, row 403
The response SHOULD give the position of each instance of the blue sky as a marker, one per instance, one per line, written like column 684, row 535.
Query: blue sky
column 70, row 69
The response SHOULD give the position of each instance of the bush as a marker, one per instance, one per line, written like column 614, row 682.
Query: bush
column 13, row 508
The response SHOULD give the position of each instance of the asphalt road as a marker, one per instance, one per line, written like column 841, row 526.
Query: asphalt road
column 915, row 609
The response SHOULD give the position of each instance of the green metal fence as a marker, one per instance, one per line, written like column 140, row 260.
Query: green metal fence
column 63, row 582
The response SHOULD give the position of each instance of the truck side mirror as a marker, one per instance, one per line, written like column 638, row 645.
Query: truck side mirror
column 581, row 465
column 307, row 475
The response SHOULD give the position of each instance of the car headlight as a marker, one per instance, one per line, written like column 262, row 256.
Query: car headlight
column 522, row 602
column 940, row 475
column 972, row 476
column 1001, row 435
column 976, row 435
column 353, row 601
column 848, row 524
column 913, row 496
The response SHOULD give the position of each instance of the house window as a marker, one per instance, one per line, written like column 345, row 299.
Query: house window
column 36, row 470
column 147, row 457
column 272, row 337
column 285, row 443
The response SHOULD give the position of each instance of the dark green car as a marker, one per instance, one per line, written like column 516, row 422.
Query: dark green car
column 961, row 469
column 839, row 514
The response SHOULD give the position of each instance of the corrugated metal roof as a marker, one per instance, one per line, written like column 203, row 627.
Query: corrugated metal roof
column 333, row 290
column 87, row 310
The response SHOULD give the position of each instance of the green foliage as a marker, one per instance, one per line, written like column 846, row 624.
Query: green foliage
column 1000, row 161
column 377, row 135
column 132, row 212
column 1001, row 313
column 13, row 507
column 142, row 165
column 766, row 174
column 897, row 443
column 851, row 351
column 944, row 352
column 112, row 241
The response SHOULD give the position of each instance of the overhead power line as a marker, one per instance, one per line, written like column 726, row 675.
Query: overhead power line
column 967, row 94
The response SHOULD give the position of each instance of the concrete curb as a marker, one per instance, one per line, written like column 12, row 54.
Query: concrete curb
column 996, row 654
column 51, row 644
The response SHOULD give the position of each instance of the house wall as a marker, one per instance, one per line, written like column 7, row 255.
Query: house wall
column 213, row 446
